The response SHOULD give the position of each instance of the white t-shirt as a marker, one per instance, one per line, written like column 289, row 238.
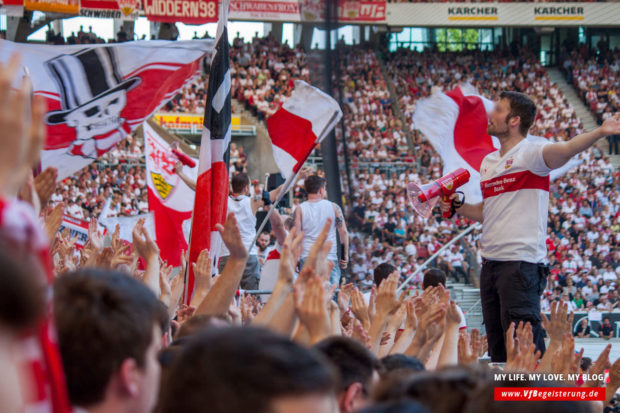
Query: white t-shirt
column 515, row 189
column 242, row 208
column 313, row 217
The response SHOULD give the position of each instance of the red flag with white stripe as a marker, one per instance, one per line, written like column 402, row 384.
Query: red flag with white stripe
column 210, row 203
column 455, row 123
column 304, row 120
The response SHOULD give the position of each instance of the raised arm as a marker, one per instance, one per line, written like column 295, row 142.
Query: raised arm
column 341, row 226
column 557, row 154
column 178, row 168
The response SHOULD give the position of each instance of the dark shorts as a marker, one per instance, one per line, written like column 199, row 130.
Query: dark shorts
column 251, row 272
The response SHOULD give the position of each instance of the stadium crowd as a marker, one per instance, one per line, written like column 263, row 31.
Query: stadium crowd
column 127, row 343
column 596, row 77
column 385, row 228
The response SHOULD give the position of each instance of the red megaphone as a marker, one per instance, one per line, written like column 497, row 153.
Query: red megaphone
column 424, row 198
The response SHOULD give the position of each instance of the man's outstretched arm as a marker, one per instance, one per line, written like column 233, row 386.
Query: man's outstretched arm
column 557, row 154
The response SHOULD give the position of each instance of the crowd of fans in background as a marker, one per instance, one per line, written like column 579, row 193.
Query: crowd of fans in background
column 596, row 76
column 385, row 228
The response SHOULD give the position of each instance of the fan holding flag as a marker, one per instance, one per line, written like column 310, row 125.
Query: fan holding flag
column 515, row 196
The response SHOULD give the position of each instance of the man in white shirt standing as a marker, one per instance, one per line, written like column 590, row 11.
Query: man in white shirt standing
column 311, row 216
column 244, row 209
column 515, row 190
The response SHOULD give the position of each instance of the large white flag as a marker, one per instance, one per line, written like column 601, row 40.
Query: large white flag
column 455, row 123
column 97, row 94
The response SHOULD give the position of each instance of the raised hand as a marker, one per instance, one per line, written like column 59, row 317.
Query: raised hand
column 53, row 220
column 231, row 236
column 291, row 250
column 558, row 323
column 317, row 256
column 164, row 283
column 45, row 184
column 387, row 301
column 611, row 126
column 599, row 366
column 469, row 346
column 143, row 245
column 204, row 277
column 359, row 309
column 95, row 240
column 312, row 310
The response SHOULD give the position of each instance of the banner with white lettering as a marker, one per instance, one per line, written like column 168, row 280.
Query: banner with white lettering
column 181, row 11
column 77, row 228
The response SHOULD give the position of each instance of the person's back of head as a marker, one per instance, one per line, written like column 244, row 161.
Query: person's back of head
column 401, row 406
column 239, row 370
column 109, row 329
column 21, row 306
column 239, row 183
column 313, row 184
column 401, row 362
column 446, row 390
column 382, row 271
column 357, row 366
column 433, row 277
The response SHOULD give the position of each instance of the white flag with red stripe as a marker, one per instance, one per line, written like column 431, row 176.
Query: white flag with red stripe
column 210, row 203
column 455, row 123
column 170, row 199
column 98, row 94
column 304, row 120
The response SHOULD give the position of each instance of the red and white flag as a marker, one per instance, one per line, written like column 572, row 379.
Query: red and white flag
column 98, row 94
column 455, row 123
column 304, row 120
column 170, row 199
column 211, row 203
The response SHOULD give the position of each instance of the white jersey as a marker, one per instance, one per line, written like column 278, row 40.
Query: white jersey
column 313, row 218
column 515, row 189
column 242, row 208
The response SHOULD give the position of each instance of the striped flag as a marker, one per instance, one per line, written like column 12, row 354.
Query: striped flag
column 455, row 123
column 212, row 183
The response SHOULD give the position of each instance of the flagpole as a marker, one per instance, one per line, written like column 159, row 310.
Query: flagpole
column 221, row 26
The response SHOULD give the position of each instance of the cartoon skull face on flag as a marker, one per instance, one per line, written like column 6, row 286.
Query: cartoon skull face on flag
column 98, row 94
column 92, row 96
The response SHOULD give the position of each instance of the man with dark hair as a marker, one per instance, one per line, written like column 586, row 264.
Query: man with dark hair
column 312, row 215
column 110, row 329
column 400, row 362
column 263, row 243
column 21, row 306
column 358, row 369
column 515, row 191
column 382, row 271
column 233, row 370
column 244, row 208
column 434, row 277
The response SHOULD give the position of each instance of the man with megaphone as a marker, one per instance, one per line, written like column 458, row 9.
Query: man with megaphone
column 515, row 191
